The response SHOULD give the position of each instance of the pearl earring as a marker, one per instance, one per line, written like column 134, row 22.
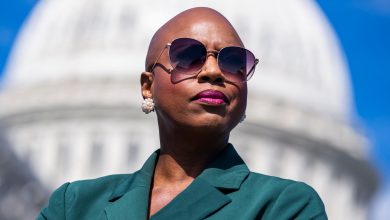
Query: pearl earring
column 147, row 105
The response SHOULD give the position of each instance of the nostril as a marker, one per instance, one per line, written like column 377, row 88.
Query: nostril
column 218, row 80
column 211, row 79
column 205, row 78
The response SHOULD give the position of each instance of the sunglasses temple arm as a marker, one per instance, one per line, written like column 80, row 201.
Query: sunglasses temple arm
column 253, row 67
column 158, row 57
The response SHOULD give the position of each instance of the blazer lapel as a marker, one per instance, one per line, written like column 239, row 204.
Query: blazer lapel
column 197, row 201
column 226, row 171
column 208, row 193
column 132, row 205
column 131, row 198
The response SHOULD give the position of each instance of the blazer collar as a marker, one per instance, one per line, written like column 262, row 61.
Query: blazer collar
column 141, row 178
column 130, row 199
column 202, row 197
column 227, row 171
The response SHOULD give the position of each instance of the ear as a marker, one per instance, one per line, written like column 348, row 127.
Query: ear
column 146, row 84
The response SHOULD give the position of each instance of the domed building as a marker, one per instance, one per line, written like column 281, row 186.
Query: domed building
column 70, row 98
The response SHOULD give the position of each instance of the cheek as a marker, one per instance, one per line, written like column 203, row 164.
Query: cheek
column 244, row 96
column 237, row 107
column 167, row 96
column 242, row 93
column 161, row 85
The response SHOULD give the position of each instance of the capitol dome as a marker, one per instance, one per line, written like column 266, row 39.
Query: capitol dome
column 71, row 97
column 300, row 59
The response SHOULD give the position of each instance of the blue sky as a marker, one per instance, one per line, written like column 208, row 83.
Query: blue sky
column 363, row 27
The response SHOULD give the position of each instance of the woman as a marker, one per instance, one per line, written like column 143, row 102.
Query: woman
column 195, row 81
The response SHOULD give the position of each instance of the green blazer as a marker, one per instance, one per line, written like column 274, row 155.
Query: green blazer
column 226, row 189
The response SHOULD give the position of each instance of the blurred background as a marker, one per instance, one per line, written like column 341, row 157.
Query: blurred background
column 318, row 109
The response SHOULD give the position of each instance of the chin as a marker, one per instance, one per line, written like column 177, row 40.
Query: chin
column 213, row 124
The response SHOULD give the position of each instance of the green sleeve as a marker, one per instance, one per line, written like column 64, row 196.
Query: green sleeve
column 298, row 201
column 55, row 209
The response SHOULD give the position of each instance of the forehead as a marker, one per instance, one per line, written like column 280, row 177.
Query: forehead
column 211, row 34
column 203, row 24
column 213, row 31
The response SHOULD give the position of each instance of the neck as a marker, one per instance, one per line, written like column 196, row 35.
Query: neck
column 184, row 154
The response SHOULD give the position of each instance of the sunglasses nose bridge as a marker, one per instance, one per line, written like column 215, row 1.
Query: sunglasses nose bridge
column 210, row 70
column 212, row 53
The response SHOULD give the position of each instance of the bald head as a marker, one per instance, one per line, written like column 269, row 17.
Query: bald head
column 199, row 23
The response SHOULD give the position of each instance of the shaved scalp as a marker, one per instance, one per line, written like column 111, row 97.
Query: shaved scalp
column 184, row 20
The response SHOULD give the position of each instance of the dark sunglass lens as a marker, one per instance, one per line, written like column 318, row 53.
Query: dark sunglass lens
column 187, row 55
column 236, row 62
column 233, row 60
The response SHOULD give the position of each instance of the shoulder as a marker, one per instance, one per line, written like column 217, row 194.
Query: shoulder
column 92, row 188
column 287, row 198
column 278, row 185
column 79, row 193
column 98, row 185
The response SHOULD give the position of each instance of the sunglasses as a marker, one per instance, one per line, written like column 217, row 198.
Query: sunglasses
column 187, row 57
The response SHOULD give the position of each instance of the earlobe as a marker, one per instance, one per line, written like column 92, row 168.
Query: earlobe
column 146, row 84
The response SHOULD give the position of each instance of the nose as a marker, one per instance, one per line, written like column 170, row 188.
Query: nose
column 210, row 71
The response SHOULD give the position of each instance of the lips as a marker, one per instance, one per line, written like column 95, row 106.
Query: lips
column 211, row 97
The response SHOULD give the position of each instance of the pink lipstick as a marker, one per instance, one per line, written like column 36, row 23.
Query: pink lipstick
column 211, row 97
